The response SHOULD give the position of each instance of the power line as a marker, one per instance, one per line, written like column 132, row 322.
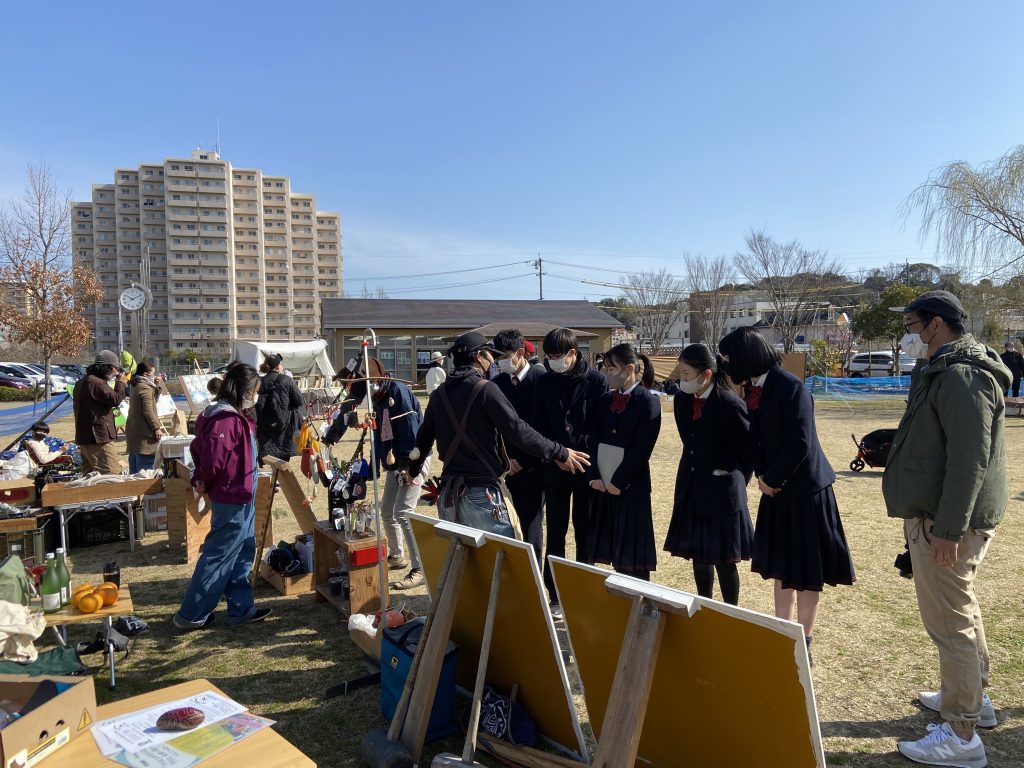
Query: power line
column 461, row 285
column 435, row 274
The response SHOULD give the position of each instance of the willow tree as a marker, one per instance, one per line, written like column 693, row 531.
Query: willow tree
column 976, row 214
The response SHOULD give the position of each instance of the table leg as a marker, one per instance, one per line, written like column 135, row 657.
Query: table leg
column 110, row 651
column 63, row 529
column 131, row 527
column 62, row 635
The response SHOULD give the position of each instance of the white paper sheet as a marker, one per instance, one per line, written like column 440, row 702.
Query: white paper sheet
column 137, row 730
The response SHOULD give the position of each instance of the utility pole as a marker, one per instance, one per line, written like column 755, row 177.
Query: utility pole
column 538, row 264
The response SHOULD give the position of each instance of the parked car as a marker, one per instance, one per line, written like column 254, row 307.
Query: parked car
column 14, row 382
column 21, row 371
column 59, row 378
column 73, row 371
column 877, row 364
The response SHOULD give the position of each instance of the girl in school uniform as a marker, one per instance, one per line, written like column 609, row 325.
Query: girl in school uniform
column 627, row 416
column 799, row 540
column 710, row 521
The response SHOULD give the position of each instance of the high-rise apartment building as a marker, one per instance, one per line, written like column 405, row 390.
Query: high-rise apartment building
column 227, row 253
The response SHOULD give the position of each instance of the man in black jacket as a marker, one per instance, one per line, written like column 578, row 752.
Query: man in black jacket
column 517, row 379
column 563, row 410
column 1013, row 360
column 469, row 418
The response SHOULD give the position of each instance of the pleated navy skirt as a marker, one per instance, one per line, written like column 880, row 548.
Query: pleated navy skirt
column 706, row 536
column 800, row 541
column 622, row 532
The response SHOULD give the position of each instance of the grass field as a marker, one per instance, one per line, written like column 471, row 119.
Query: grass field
column 871, row 654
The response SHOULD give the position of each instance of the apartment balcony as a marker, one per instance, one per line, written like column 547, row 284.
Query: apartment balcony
column 273, row 216
column 130, row 192
column 214, row 218
column 104, row 225
column 211, row 172
column 182, row 203
column 179, row 185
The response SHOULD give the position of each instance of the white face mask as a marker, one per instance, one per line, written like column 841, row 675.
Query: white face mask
column 692, row 386
column 913, row 346
column 248, row 402
column 561, row 365
column 507, row 365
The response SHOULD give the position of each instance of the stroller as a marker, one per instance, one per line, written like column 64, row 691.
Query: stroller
column 872, row 449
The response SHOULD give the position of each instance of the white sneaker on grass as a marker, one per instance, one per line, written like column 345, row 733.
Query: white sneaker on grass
column 933, row 700
column 943, row 747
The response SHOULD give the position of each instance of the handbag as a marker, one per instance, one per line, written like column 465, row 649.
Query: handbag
column 507, row 719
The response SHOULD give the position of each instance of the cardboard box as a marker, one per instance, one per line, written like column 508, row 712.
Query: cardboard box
column 49, row 727
column 20, row 493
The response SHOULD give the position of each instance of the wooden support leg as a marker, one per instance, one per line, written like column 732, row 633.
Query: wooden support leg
column 429, row 672
column 631, row 688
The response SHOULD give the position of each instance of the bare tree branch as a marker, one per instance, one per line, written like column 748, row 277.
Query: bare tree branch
column 46, row 295
column 976, row 214
column 793, row 279
column 710, row 286
column 656, row 300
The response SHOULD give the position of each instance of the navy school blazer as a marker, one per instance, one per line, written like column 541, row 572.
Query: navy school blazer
column 719, row 441
column 787, row 454
column 522, row 395
column 563, row 411
column 636, row 430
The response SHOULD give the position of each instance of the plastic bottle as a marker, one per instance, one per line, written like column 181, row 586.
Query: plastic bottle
column 49, row 586
column 64, row 574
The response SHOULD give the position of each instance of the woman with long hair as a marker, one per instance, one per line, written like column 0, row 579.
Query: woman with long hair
column 798, row 540
column 143, row 429
column 224, row 452
column 710, row 521
column 627, row 421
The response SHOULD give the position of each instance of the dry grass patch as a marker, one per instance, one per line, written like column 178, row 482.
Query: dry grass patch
column 871, row 654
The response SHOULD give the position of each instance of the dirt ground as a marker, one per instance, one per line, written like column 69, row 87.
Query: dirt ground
column 871, row 654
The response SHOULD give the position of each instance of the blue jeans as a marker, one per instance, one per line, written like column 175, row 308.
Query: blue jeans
column 483, row 507
column 137, row 461
column 224, row 566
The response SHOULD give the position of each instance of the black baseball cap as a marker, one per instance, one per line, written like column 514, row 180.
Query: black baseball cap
column 471, row 342
column 941, row 303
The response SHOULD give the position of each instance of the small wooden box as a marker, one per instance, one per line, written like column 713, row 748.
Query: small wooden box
column 57, row 495
column 287, row 585
column 20, row 493
column 366, row 592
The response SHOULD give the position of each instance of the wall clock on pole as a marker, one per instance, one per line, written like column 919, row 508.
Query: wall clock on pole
column 135, row 298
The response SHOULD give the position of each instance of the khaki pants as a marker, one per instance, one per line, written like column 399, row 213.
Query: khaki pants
column 952, row 617
column 100, row 458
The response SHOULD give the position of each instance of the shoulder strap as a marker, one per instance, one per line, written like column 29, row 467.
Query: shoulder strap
column 461, row 435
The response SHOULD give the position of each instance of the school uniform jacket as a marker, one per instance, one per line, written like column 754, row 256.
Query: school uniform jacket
column 721, row 443
column 636, row 430
column 787, row 454
column 564, row 406
column 521, row 393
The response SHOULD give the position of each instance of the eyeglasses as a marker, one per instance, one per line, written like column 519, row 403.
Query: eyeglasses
column 911, row 324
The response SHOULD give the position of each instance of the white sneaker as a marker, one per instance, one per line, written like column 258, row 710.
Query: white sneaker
column 933, row 700
column 943, row 747
column 556, row 611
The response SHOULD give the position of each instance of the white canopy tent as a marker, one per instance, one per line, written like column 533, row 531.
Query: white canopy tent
column 302, row 358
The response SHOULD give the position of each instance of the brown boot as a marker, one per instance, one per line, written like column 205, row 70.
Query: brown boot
column 413, row 579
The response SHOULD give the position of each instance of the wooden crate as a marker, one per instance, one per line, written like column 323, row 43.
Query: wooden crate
column 187, row 527
column 23, row 531
column 366, row 592
column 58, row 495
column 20, row 493
column 287, row 585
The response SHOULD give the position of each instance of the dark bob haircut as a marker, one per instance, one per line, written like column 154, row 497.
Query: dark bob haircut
column 622, row 355
column 701, row 359
column 749, row 354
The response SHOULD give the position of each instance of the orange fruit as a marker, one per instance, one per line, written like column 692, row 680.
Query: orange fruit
column 90, row 603
column 107, row 594
column 108, row 584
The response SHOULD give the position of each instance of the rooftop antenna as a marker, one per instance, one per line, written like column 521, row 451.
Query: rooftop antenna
column 218, row 137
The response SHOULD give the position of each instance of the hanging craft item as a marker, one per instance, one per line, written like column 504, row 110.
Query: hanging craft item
column 431, row 491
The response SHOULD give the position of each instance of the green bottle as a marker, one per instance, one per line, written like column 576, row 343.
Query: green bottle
column 49, row 586
column 64, row 573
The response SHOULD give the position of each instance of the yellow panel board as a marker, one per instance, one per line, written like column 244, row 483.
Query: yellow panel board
column 524, row 648
column 731, row 687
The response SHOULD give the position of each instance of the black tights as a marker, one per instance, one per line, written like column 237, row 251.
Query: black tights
column 728, row 581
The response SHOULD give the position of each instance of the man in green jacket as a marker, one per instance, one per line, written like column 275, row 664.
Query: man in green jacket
column 945, row 476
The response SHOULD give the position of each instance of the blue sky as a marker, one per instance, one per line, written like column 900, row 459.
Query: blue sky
column 458, row 135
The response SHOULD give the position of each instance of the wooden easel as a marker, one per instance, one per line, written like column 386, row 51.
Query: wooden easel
column 627, row 703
